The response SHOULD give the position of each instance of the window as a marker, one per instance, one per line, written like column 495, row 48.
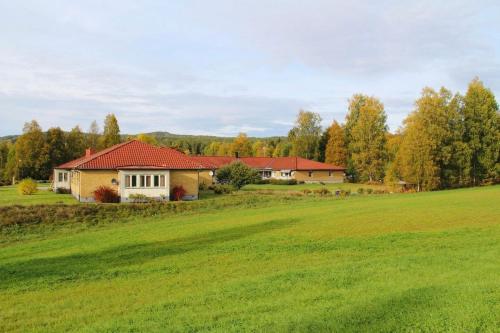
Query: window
column 266, row 174
column 310, row 173
column 329, row 173
column 65, row 176
column 145, row 181
column 60, row 176
column 285, row 174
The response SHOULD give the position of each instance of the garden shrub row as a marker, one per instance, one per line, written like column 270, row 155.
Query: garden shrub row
column 95, row 213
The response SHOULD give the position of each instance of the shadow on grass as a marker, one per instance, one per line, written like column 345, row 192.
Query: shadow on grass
column 94, row 265
column 413, row 310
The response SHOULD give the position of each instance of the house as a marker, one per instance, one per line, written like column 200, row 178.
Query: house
column 300, row 169
column 135, row 167
column 132, row 167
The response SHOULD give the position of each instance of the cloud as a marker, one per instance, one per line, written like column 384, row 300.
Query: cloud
column 222, row 67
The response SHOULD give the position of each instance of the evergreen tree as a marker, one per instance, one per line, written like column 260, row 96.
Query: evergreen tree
column 336, row 152
column 111, row 133
column 367, row 141
column 482, row 128
column 306, row 134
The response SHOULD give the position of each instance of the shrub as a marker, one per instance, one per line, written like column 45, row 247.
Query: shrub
column 360, row 190
column 262, row 181
column 237, row 174
column 322, row 191
column 306, row 191
column 283, row 181
column 106, row 194
column 222, row 189
column 369, row 190
column 139, row 198
column 178, row 192
column 202, row 186
column 27, row 187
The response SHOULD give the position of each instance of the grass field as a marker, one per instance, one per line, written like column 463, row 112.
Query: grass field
column 427, row 262
column 299, row 187
column 10, row 196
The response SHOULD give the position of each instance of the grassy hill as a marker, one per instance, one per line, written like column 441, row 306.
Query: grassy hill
column 416, row 262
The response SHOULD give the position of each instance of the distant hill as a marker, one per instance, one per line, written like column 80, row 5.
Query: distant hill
column 167, row 136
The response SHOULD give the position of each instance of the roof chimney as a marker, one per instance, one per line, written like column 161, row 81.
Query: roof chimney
column 89, row 152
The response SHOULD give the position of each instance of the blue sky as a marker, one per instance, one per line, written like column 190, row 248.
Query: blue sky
column 223, row 67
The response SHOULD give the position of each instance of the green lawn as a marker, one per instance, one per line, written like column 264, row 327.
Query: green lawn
column 426, row 262
column 299, row 187
column 10, row 196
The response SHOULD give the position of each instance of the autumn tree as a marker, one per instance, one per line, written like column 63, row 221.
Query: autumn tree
column 94, row 136
column 353, row 111
column 335, row 151
column 367, row 140
column 482, row 132
column 111, row 133
column 305, row 135
column 30, row 155
column 55, row 150
column 241, row 146
column 75, row 143
column 147, row 139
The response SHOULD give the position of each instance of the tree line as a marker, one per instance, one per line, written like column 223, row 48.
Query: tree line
column 448, row 140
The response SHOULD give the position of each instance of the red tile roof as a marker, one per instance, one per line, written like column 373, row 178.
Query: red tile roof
column 273, row 163
column 134, row 154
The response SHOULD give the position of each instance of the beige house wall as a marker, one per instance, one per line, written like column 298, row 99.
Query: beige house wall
column 319, row 176
column 90, row 180
column 187, row 179
column 206, row 178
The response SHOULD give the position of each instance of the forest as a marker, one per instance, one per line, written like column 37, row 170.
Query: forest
column 448, row 140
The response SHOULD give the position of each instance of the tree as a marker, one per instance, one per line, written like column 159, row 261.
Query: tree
column 237, row 174
column 147, row 139
column 306, row 134
column 55, row 150
column 224, row 149
column 11, row 167
column 30, row 155
column 482, row 132
column 111, row 134
column 367, row 141
column 353, row 110
column 415, row 156
column 75, row 141
column 4, row 154
column 336, row 152
column 323, row 142
column 212, row 149
column 94, row 136
column 259, row 149
column 241, row 146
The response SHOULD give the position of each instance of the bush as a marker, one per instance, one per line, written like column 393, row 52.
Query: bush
column 322, row 191
column 222, row 189
column 27, row 187
column 262, row 181
column 369, row 190
column 306, row 191
column 360, row 190
column 237, row 174
column 202, row 186
column 139, row 198
column 178, row 192
column 106, row 194
column 283, row 181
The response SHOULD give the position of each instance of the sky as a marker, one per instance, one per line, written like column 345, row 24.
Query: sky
column 224, row 67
